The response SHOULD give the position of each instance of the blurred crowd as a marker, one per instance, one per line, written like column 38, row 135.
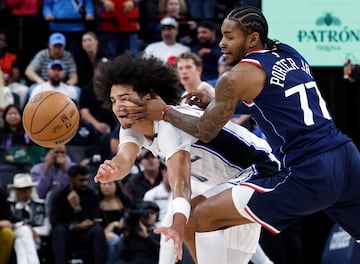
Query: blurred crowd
column 51, row 210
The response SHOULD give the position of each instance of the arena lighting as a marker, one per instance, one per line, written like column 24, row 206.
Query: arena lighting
column 325, row 32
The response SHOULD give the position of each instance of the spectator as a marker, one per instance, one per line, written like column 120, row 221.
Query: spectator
column 7, row 236
column 27, row 7
column 119, row 27
column 168, row 46
column 73, row 211
column 150, row 217
column 29, row 218
column 222, row 67
column 172, row 8
column 25, row 28
column 148, row 16
column 176, row 9
column 208, row 49
column 100, row 120
column 6, row 96
column 37, row 70
column 20, row 152
column 73, row 15
column 51, row 174
column 149, row 177
column 202, row 9
column 113, row 202
column 160, row 194
column 189, row 68
column 11, row 72
column 54, row 83
column 137, row 244
column 88, row 58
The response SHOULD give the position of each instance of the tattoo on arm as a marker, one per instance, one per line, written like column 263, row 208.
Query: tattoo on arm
column 217, row 113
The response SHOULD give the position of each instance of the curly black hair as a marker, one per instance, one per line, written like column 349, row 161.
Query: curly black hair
column 146, row 75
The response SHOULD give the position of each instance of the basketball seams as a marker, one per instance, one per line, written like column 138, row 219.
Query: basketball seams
column 51, row 120
column 65, row 140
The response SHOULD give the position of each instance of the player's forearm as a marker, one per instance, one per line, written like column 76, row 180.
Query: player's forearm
column 191, row 124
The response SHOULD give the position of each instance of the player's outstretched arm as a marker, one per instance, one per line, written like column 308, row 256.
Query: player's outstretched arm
column 119, row 166
column 178, row 167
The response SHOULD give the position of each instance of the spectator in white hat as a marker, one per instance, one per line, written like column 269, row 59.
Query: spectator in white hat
column 168, row 46
column 30, row 221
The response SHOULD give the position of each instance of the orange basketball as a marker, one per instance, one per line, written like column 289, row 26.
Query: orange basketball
column 50, row 119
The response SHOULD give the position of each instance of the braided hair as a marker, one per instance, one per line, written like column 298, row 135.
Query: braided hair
column 251, row 19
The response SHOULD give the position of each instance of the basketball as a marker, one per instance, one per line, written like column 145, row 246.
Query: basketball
column 50, row 119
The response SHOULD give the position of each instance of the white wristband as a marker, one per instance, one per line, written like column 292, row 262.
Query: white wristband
column 182, row 206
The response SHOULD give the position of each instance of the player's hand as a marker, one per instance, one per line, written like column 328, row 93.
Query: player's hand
column 200, row 98
column 149, row 109
column 176, row 236
column 107, row 172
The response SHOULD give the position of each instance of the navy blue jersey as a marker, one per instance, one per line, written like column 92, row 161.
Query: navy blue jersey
column 290, row 110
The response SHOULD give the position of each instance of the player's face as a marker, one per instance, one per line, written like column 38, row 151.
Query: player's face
column 118, row 95
column 234, row 42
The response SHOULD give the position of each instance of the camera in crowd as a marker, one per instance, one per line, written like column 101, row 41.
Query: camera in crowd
column 132, row 218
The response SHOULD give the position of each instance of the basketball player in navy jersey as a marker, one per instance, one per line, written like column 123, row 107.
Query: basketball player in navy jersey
column 233, row 156
column 321, row 166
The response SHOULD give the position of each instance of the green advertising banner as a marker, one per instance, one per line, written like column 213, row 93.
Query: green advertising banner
column 326, row 32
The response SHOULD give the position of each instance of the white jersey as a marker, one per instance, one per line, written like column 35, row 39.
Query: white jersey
column 161, row 196
column 163, row 51
column 231, row 154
